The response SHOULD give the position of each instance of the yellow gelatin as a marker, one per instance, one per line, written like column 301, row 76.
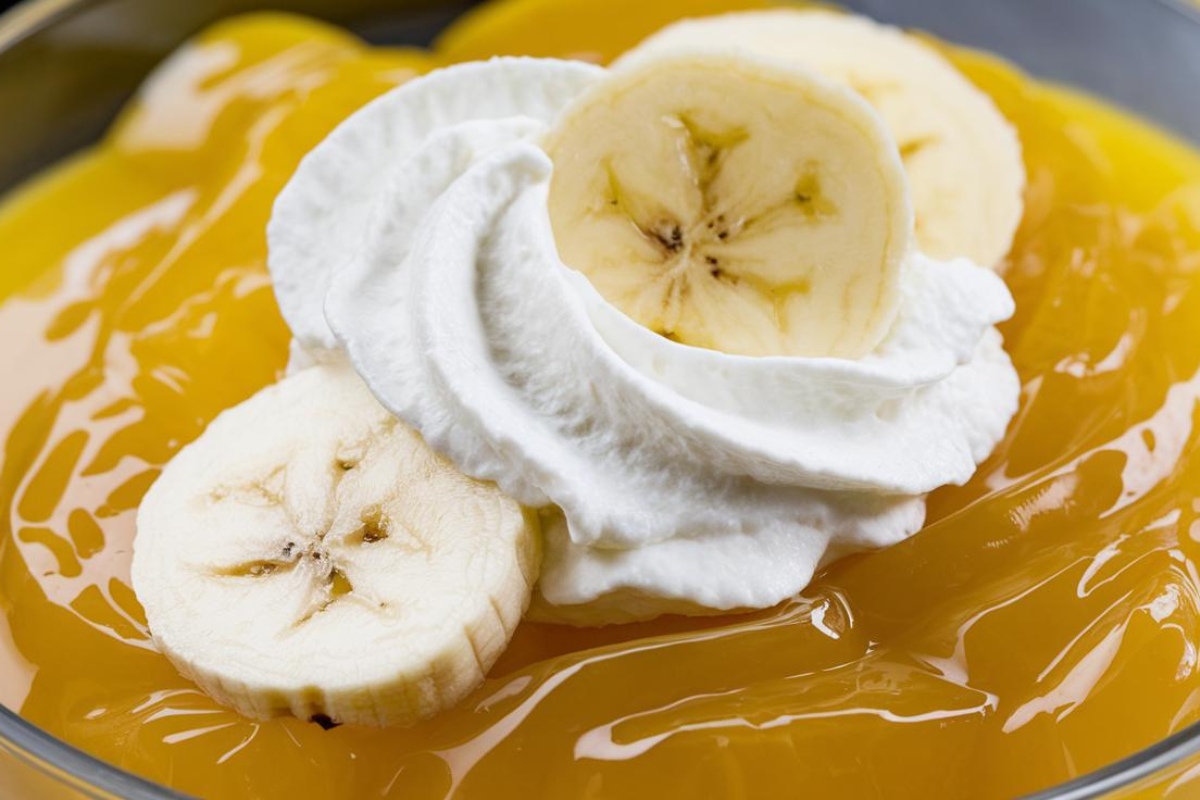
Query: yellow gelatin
column 1044, row 624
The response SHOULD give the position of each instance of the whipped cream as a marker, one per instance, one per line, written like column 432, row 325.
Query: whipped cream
column 416, row 241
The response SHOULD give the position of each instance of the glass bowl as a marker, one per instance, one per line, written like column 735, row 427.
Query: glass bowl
column 66, row 66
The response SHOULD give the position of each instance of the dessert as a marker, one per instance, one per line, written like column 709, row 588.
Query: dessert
column 779, row 401
column 1045, row 598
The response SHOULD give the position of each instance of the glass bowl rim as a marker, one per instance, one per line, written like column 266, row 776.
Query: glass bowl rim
column 78, row 769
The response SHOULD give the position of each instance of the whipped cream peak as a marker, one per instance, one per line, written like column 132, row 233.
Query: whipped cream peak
column 319, row 220
column 416, row 240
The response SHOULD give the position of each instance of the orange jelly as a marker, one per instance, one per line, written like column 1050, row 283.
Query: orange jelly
column 1042, row 625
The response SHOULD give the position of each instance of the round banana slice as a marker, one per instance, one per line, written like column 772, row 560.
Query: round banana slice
column 733, row 203
column 310, row 555
column 962, row 157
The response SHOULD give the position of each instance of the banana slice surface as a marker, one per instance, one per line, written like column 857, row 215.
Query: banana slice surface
column 310, row 555
column 962, row 157
column 734, row 204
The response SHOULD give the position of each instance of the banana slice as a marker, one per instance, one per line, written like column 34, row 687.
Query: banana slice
column 733, row 203
column 962, row 157
column 308, row 554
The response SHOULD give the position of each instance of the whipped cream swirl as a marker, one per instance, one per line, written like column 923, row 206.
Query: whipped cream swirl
column 416, row 241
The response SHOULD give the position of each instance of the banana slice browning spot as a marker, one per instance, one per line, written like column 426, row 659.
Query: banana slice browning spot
column 733, row 204
column 687, row 256
column 322, row 559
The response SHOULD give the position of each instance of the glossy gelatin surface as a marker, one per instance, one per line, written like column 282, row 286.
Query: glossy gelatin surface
column 1043, row 624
